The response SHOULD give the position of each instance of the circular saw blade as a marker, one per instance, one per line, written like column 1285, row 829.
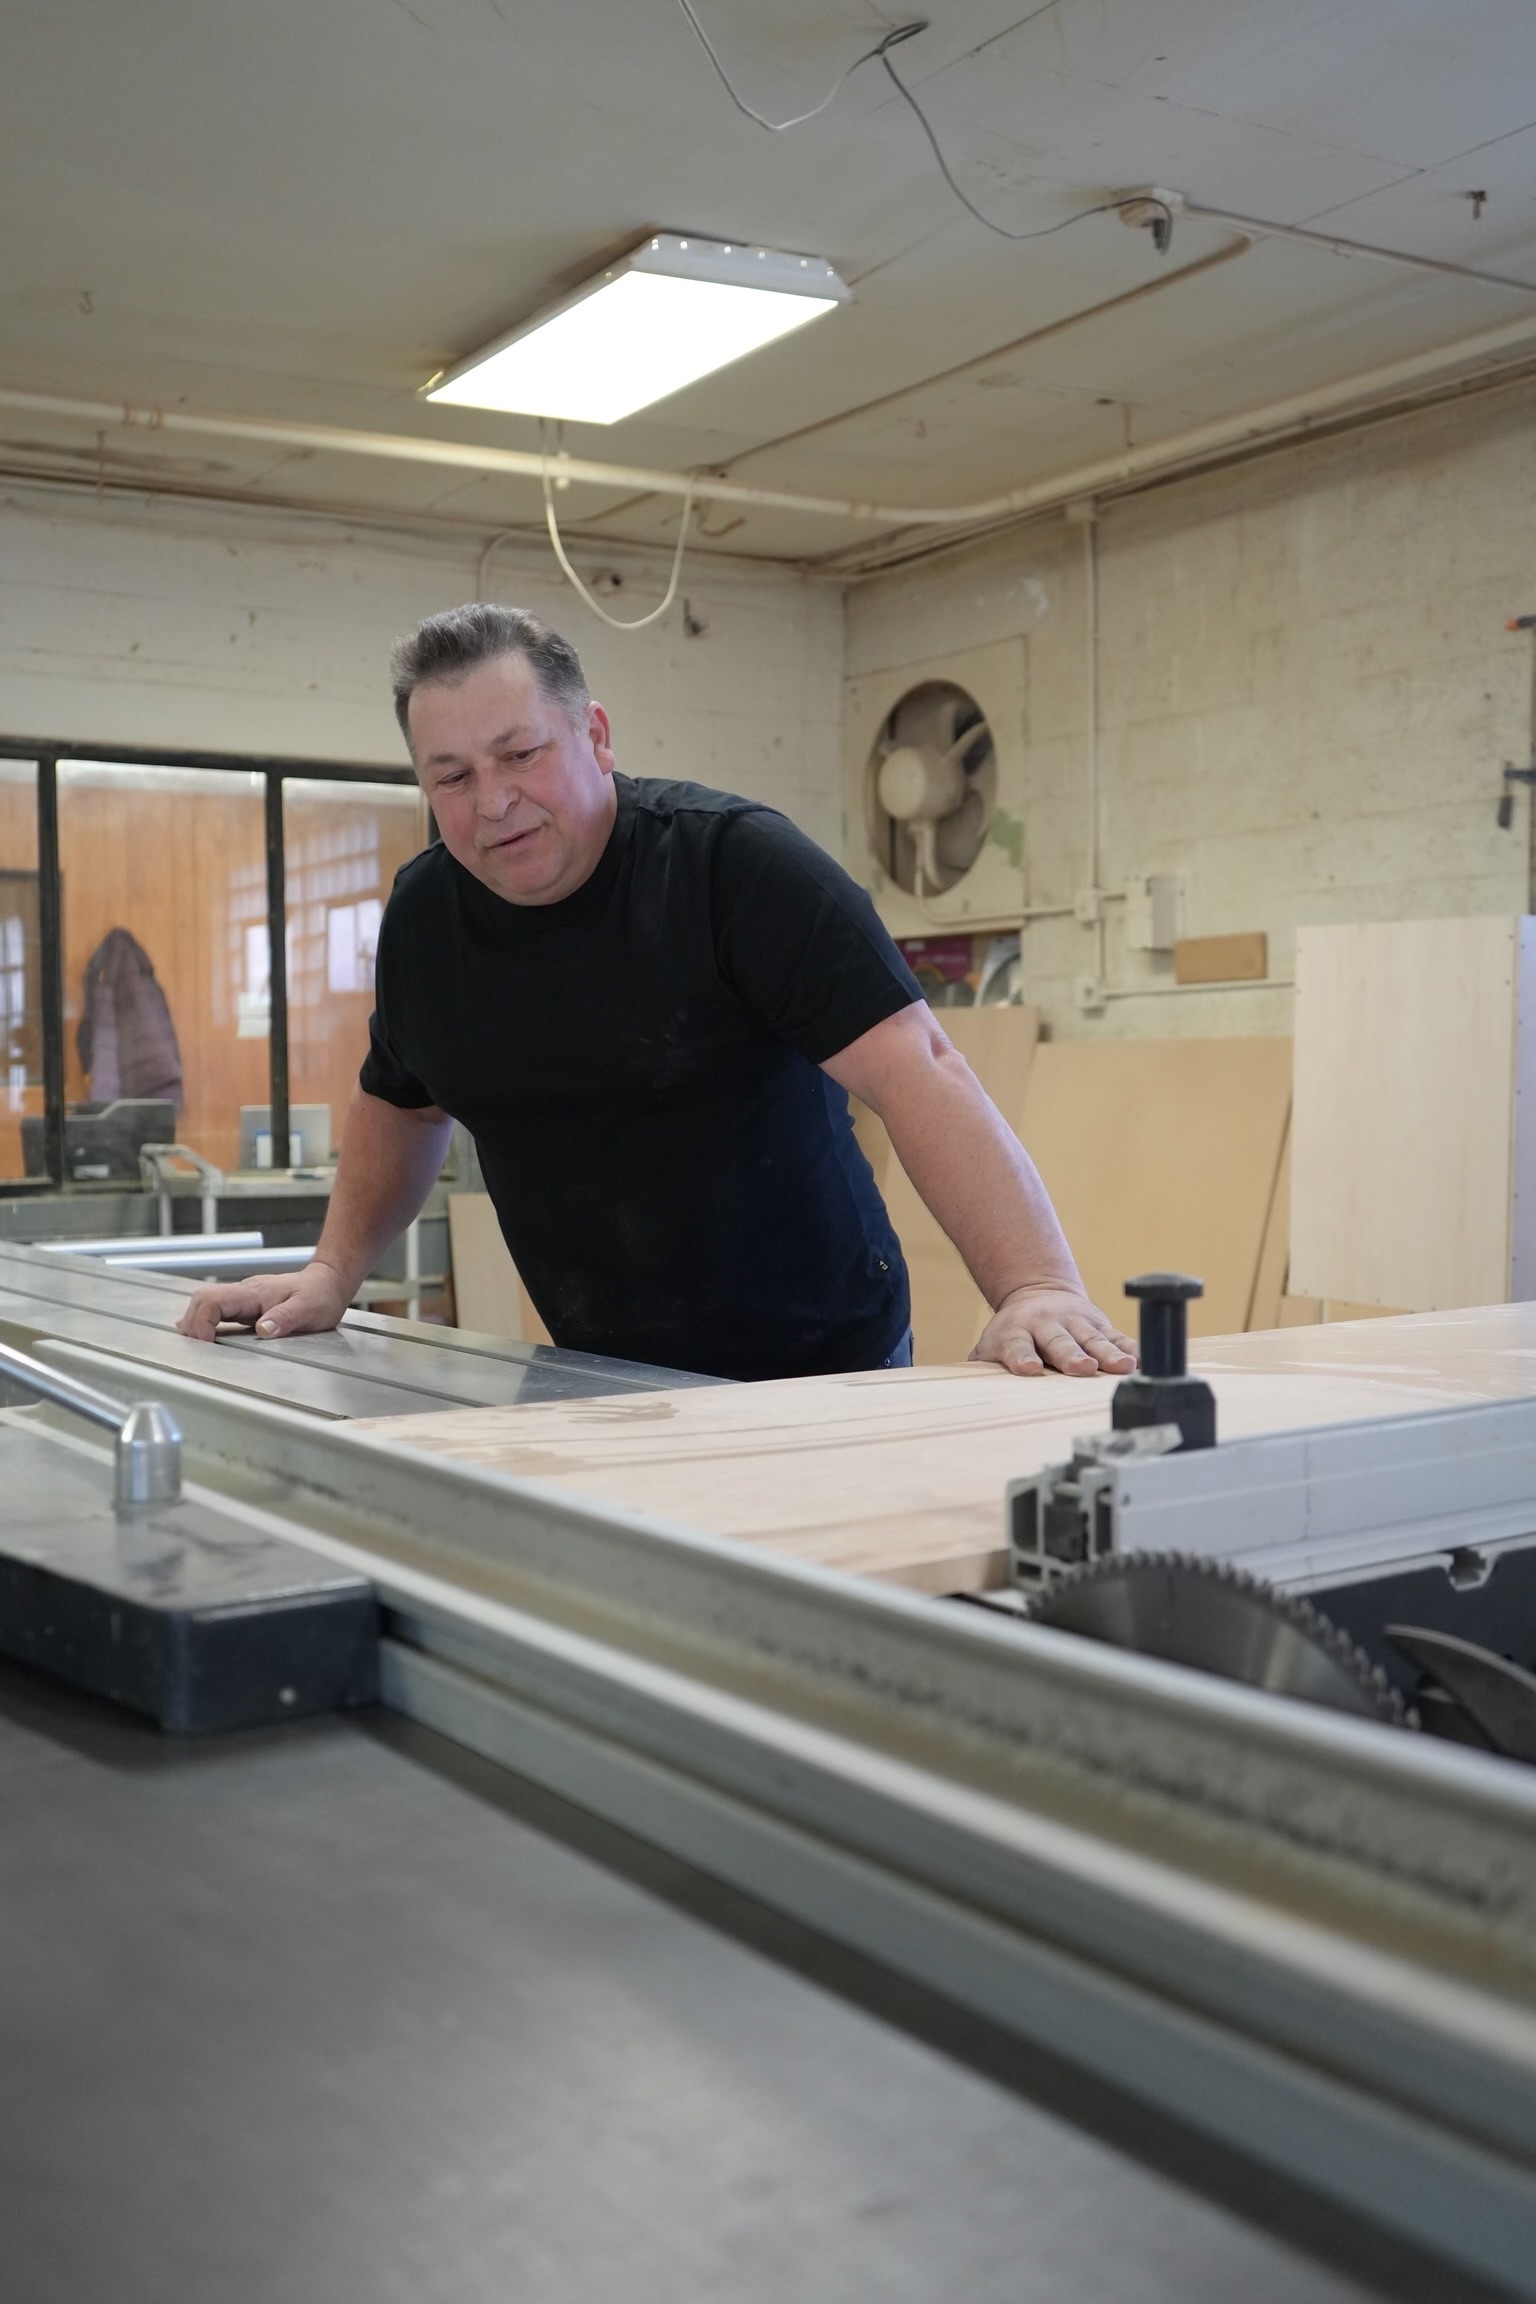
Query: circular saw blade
column 1215, row 1618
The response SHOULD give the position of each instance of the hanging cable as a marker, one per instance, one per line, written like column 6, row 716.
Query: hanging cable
column 635, row 623
column 777, row 127
column 880, row 54
column 1041, row 232
column 487, row 556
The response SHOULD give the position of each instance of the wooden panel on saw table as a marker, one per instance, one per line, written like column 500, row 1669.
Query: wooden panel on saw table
column 900, row 1473
column 1163, row 1155
column 949, row 1311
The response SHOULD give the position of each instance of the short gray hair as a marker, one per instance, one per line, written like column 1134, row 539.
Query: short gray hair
column 448, row 646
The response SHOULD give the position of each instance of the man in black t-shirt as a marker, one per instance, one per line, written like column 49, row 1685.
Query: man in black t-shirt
column 648, row 1002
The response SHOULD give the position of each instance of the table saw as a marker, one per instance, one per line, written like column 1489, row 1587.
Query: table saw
column 321, row 2008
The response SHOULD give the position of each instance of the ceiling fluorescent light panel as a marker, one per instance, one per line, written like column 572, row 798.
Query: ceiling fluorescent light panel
column 671, row 311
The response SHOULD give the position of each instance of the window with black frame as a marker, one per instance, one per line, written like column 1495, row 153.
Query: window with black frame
column 21, row 973
column 139, row 1000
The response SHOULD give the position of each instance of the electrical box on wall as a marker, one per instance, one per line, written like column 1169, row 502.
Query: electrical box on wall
column 1154, row 911
column 934, row 789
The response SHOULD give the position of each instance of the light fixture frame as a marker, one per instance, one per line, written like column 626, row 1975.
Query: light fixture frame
column 678, row 256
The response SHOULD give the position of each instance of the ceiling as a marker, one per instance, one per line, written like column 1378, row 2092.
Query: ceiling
column 301, row 211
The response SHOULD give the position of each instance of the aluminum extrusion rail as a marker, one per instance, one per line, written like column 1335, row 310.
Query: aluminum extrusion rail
column 1308, row 1936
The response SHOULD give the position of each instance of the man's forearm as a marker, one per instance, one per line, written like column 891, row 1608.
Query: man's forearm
column 978, row 1181
column 970, row 1169
column 981, row 1184
column 390, row 1158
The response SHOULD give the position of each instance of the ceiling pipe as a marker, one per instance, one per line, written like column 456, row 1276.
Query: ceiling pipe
column 1240, row 245
column 1307, row 236
column 1250, row 428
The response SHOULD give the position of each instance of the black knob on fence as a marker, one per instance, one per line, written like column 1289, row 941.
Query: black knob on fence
column 1162, row 1391
column 1163, row 1297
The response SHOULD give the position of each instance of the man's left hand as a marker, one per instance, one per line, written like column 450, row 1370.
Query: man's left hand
column 1039, row 1328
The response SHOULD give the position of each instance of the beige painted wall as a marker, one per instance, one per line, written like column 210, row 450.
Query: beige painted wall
column 1306, row 690
column 200, row 628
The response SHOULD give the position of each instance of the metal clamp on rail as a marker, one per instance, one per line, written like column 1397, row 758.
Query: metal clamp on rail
column 148, row 1454
column 169, row 1170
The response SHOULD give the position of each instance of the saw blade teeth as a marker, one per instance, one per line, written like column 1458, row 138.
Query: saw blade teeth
column 1309, row 1622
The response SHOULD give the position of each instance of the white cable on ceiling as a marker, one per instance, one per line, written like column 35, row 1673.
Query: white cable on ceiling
column 1168, row 205
column 619, row 624
column 880, row 54
column 777, row 127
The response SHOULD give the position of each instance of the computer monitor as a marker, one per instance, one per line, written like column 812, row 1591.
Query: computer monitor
column 309, row 1136
column 102, row 1141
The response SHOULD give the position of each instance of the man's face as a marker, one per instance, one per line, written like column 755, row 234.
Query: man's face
column 523, row 798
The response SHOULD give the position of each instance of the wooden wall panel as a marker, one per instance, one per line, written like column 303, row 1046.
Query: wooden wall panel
column 1404, row 1166
column 1164, row 1154
column 179, row 858
column 181, row 862
column 343, row 847
column 18, row 853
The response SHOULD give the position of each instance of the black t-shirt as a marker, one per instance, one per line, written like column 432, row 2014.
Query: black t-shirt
column 676, row 1179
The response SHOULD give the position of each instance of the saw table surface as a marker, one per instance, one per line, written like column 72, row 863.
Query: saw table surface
column 371, row 1365
column 900, row 1473
column 336, row 2015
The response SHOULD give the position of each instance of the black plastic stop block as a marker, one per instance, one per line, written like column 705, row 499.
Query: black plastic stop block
column 197, row 1621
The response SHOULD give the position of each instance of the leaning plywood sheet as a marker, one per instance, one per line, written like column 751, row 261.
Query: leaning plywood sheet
column 488, row 1290
column 897, row 1474
column 1163, row 1155
column 948, row 1309
column 1415, row 1123
column 1274, row 1249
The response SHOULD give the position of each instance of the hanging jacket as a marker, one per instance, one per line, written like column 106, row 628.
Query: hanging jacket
column 126, row 1039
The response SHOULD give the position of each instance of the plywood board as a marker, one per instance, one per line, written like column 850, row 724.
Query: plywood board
column 1275, row 1246
column 1317, row 1311
column 488, row 1292
column 1404, row 1171
column 1221, row 959
column 1485, row 1352
column 1162, row 1154
column 949, row 1311
column 900, row 1474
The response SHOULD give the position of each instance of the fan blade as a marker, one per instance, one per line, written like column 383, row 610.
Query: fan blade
column 959, row 835
column 922, row 720
column 978, row 732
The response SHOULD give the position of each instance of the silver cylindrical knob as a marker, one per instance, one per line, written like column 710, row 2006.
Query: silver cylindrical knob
column 148, row 1457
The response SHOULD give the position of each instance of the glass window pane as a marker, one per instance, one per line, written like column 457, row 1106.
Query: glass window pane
column 343, row 845
column 21, row 982
column 164, row 892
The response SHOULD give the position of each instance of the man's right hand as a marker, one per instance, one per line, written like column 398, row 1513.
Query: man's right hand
column 287, row 1304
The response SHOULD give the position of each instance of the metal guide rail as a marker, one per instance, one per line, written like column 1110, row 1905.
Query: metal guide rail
column 370, row 1366
column 1309, row 1936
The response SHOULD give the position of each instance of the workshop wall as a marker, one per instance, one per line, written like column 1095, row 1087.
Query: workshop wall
column 147, row 623
column 1306, row 696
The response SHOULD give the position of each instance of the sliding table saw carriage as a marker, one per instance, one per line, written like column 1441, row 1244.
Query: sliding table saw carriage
column 723, row 1617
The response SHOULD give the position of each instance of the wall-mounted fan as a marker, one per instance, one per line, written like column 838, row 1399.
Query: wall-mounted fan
column 935, row 764
column 933, row 787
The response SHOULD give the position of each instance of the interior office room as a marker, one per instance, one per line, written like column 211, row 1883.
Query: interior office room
column 767, row 1164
